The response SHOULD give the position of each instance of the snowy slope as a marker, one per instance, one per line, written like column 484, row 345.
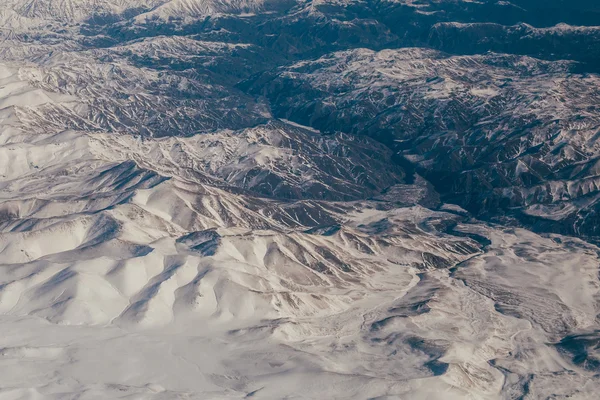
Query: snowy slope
column 191, row 9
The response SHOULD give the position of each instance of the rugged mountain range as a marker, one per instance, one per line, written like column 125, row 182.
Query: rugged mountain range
column 299, row 199
column 490, row 132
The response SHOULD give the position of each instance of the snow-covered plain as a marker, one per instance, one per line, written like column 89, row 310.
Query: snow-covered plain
column 164, row 237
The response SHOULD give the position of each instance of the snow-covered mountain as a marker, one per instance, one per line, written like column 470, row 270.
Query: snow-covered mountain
column 75, row 10
column 490, row 131
column 191, row 9
column 83, row 10
column 299, row 199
